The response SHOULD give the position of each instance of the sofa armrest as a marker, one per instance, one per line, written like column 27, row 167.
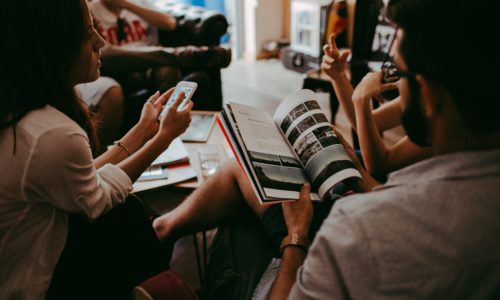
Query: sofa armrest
column 163, row 286
column 195, row 26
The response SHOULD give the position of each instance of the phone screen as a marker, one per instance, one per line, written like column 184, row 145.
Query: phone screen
column 187, row 94
column 188, row 90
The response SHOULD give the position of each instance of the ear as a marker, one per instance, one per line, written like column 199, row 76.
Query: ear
column 433, row 96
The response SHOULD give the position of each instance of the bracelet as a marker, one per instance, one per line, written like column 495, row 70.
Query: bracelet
column 294, row 240
column 120, row 144
column 304, row 249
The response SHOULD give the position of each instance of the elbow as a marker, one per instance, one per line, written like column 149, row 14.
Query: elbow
column 167, row 23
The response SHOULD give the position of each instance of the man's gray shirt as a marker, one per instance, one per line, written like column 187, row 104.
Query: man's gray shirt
column 432, row 232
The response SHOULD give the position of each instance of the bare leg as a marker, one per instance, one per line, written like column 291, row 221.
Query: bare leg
column 223, row 195
column 110, row 115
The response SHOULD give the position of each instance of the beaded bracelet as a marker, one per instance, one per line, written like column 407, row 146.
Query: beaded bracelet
column 120, row 144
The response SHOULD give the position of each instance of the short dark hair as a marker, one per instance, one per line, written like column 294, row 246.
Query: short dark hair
column 449, row 42
column 41, row 41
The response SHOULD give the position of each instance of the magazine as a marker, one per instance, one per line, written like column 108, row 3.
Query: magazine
column 175, row 154
column 282, row 152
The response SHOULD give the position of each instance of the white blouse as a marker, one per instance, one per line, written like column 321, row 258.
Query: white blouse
column 50, row 173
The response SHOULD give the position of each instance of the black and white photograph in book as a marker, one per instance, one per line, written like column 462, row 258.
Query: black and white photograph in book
column 312, row 105
column 325, row 135
column 305, row 124
column 293, row 136
column 307, row 148
column 298, row 111
column 332, row 168
column 289, row 162
column 286, row 123
column 272, row 159
column 277, row 177
column 320, row 118
column 264, row 158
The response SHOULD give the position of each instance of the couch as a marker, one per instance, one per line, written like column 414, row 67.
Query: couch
column 192, row 50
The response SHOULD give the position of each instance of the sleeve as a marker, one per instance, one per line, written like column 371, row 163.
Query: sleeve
column 61, row 172
column 338, row 265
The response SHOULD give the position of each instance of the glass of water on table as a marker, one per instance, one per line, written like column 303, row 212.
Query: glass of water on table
column 209, row 157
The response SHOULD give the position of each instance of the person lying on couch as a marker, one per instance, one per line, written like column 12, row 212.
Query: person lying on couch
column 131, row 32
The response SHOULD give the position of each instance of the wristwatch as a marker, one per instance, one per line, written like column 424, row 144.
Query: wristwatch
column 294, row 240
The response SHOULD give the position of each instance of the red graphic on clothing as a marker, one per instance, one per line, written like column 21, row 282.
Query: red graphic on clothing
column 134, row 32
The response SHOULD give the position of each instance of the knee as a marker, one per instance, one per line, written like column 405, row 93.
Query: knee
column 112, row 100
column 232, row 168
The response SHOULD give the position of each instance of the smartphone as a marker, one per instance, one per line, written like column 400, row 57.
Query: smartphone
column 154, row 173
column 188, row 87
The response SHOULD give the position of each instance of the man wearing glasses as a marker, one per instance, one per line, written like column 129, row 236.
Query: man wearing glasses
column 432, row 230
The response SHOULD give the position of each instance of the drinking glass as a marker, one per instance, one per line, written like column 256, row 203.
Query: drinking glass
column 209, row 159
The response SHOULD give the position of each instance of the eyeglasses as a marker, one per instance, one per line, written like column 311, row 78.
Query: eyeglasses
column 120, row 32
column 390, row 73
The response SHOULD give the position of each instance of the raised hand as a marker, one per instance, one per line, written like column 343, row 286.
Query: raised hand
column 175, row 122
column 148, row 121
column 334, row 61
column 371, row 86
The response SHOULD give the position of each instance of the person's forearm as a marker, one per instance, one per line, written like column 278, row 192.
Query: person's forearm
column 388, row 115
column 131, row 142
column 135, row 165
column 156, row 18
column 343, row 91
column 291, row 261
column 373, row 150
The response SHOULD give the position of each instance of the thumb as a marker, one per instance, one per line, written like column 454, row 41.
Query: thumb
column 389, row 86
column 344, row 55
column 305, row 192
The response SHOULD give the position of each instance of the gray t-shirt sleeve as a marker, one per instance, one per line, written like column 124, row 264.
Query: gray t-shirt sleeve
column 338, row 263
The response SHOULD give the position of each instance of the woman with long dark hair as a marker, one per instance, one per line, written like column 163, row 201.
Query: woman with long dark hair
column 49, row 177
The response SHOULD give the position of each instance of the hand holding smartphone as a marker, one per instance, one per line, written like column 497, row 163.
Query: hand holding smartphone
column 188, row 88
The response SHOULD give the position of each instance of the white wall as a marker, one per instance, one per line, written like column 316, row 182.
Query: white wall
column 263, row 21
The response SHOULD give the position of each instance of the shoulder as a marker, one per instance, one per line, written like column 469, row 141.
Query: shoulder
column 46, row 119
column 53, row 133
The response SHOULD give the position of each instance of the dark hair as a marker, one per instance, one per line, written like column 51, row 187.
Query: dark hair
column 449, row 42
column 41, row 41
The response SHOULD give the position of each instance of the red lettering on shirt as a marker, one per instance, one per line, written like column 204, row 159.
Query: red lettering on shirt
column 134, row 32
column 139, row 30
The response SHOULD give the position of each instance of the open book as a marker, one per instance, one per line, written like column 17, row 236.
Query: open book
column 282, row 152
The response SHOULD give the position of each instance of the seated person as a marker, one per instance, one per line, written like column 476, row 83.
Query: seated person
column 105, row 98
column 132, row 56
column 378, row 159
column 406, row 239
column 61, row 210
